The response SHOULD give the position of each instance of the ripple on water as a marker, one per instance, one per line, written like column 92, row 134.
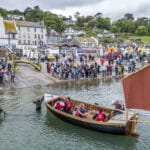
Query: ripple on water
column 24, row 128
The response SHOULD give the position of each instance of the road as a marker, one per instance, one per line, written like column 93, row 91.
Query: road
column 27, row 76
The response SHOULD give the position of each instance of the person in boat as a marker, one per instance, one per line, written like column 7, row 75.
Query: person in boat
column 77, row 112
column 38, row 103
column 119, row 106
column 59, row 104
column 100, row 116
column 83, row 109
column 68, row 105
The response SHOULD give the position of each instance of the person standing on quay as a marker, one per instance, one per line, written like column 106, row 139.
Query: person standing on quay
column 12, row 75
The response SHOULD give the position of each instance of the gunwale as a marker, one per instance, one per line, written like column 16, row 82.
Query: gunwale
column 86, row 120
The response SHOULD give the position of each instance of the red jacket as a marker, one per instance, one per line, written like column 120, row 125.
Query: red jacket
column 58, row 106
column 68, row 105
column 100, row 117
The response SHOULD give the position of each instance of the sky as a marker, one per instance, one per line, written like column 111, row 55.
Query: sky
column 114, row 9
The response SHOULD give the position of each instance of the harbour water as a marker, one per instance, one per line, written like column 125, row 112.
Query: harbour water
column 25, row 129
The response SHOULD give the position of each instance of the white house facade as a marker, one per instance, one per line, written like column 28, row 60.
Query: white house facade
column 8, row 33
column 31, row 35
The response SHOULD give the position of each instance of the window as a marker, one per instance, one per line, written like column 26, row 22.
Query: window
column 35, row 36
column 13, row 36
column 34, row 29
column 19, row 41
column 42, row 30
column 29, row 42
column 28, row 28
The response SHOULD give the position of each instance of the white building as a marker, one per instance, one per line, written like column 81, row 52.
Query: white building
column 8, row 33
column 53, row 37
column 17, row 17
column 71, row 32
column 31, row 35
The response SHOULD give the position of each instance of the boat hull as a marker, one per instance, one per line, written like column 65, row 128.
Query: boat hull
column 111, row 129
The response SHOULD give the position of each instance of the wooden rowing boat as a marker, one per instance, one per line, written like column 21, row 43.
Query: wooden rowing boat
column 113, row 125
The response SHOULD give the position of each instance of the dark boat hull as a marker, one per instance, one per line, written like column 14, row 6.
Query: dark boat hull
column 112, row 129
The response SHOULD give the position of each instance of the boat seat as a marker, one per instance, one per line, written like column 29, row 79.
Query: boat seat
column 120, row 118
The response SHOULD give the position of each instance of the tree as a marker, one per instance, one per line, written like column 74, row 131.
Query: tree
column 37, row 8
column 125, row 25
column 53, row 21
column 80, row 21
column 103, row 23
column 3, row 12
column 88, row 18
column 92, row 23
column 77, row 14
column 141, row 30
column 99, row 15
column 129, row 16
column 15, row 12
column 114, row 29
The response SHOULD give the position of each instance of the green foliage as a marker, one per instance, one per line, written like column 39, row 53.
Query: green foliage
column 50, row 19
column 141, row 39
column 114, row 29
column 124, row 26
column 91, row 33
column 81, row 35
column 129, row 16
column 15, row 12
column 141, row 30
column 111, row 40
column 3, row 12
column 103, row 23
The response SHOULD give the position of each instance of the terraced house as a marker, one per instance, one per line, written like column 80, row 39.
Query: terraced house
column 31, row 35
column 8, row 33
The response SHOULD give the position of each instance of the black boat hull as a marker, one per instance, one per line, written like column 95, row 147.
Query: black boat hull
column 111, row 129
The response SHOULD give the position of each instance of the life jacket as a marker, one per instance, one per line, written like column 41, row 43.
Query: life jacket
column 77, row 113
column 59, row 106
column 100, row 117
column 68, row 105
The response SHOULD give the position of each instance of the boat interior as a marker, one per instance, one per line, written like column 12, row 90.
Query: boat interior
column 94, row 108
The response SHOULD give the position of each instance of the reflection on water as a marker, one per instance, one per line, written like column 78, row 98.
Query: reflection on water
column 92, row 138
column 24, row 128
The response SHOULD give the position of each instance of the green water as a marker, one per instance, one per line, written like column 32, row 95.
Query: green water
column 25, row 129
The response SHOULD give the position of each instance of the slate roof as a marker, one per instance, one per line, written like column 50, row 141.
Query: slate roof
column 30, row 24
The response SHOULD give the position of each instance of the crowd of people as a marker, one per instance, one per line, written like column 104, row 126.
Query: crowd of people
column 112, row 63
column 7, row 72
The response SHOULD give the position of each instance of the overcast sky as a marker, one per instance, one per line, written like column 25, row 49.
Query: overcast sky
column 114, row 9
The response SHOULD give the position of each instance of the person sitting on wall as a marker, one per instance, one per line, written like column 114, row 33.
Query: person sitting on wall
column 100, row 116
column 118, row 106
